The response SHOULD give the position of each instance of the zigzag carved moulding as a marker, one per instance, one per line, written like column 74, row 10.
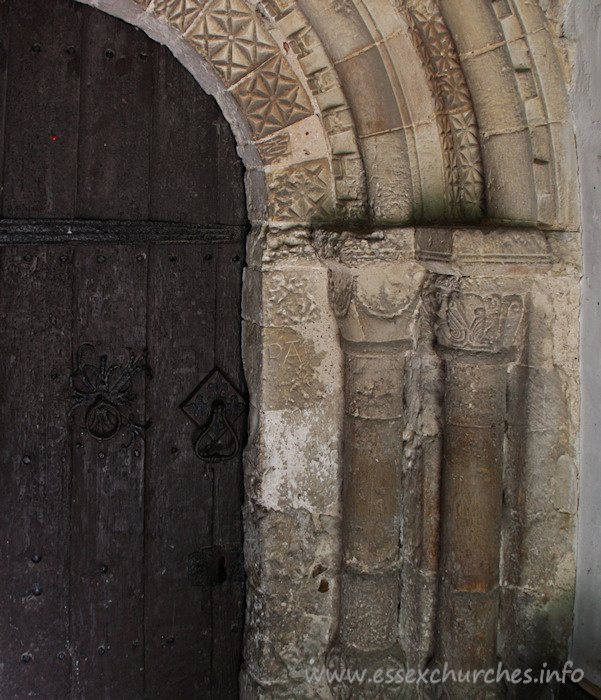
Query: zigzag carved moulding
column 455, row 113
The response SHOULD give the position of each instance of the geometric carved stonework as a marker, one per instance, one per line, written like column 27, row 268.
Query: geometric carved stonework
column 275, row 148
column 302, row 193
column 289, row 300
column 272, row 98
column 180, row 13
column 461, row 145
column 457, row 124
column 229, row 36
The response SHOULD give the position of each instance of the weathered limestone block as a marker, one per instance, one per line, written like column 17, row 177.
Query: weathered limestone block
column 367, row 603
column 292, row 521
column 421, row 480
column 371, row 492
column 298, row 459
column 389, row 183
column 468, row 629
column 419, row 602
column 377, row 386
column 288, row 637
column 284, row 322
column 472, row 489
column 538, row 562
column 538, row 460
column 508, row 459
column 291, row 588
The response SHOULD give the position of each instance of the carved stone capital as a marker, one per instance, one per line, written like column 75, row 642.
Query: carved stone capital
column 474, row 321
column 375, row 303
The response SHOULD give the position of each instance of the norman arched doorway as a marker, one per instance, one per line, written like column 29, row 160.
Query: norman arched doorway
column 122, row 248
column 359, row 126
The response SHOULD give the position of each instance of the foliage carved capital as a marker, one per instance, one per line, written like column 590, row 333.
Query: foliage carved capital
column 475, row 322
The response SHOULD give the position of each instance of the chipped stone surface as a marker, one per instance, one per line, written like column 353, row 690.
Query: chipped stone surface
column 290, row 370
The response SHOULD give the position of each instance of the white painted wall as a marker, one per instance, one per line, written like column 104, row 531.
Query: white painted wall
column 584, row 27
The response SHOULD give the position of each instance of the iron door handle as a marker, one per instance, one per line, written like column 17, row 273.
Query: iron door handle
column 216, row 407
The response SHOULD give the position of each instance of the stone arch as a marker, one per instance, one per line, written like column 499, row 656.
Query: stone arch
column 521, row 102
column 497, row 97
column 281, row 131
column 396, row 112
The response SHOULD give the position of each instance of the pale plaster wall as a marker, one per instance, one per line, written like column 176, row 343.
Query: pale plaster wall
column 584, row 29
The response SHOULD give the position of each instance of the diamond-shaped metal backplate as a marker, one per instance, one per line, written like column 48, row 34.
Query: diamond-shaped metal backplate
column 214, row 387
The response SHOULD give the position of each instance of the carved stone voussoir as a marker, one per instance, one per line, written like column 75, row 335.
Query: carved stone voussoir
column 482, row 323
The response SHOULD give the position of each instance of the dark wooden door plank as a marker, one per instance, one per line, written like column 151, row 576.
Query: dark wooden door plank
column 35, row 346
column 107, row 523
column 42, row 110
column 231, row 197
column 151, row 143
column 184, row 141
column 4, row 46
column 114, row 130
column 178, row 504
column 228, row 595
column 101, row 123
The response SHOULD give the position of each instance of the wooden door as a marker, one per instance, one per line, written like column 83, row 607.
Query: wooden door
column 122, row 395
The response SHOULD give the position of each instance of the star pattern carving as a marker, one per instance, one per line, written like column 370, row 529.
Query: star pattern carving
column 180, row 13
column 230, row 37
column 273, row 98
column 303, row 193
column 467, row 145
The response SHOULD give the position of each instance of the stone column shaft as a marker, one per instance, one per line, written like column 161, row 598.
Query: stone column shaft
column 374, row 306
column 371, row 480
column 472, row 499
column 476, row 335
